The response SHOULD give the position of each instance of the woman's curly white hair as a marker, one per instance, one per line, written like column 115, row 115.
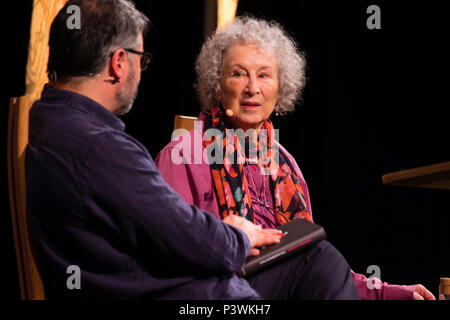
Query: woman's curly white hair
column 266, row 36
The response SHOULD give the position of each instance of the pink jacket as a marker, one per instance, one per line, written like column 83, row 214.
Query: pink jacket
column 194, row 183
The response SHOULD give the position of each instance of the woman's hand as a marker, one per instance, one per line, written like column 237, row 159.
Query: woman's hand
column 421, row 293
column 258, row 236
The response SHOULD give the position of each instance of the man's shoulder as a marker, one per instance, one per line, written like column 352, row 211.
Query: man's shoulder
column 70, row 130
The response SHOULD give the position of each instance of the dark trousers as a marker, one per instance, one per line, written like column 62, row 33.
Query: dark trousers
column 319, row 273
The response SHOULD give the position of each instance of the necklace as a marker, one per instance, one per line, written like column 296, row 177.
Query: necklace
column 265, row 203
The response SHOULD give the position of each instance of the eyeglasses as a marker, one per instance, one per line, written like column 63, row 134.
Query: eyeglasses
column 146, row 57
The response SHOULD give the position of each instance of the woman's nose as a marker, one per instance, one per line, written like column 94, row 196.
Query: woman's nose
column 252, row 86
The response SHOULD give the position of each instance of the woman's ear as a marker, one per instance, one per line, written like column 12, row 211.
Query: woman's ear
column 276, row 109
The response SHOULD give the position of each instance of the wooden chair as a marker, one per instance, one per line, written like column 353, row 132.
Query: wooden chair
column 30, row 281
column 44, row 11
column 183, row 122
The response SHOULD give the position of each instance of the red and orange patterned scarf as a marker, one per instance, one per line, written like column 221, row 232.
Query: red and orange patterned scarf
column 229, row 179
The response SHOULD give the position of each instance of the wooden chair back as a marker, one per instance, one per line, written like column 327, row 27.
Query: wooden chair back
column 44, row 11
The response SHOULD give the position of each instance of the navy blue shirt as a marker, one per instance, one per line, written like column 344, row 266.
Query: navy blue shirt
column 96, row 200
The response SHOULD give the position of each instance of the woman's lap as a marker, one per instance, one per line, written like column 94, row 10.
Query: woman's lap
column 321, row 272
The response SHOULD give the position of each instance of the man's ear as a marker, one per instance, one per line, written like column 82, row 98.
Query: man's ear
column 117, row 64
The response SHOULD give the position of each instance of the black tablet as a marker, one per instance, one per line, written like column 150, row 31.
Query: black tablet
column 299, row 234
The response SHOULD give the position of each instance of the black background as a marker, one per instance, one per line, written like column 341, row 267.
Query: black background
column 375, row 102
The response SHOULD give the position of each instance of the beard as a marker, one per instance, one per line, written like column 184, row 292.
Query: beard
column 127, row 94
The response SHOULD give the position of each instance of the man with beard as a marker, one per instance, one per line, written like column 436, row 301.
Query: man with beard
column 96, row 201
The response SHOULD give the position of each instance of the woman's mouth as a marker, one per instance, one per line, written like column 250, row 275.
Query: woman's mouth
column 250, row 105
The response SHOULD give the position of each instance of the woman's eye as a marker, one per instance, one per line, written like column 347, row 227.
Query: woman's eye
column 237, row 74
column 263, row 75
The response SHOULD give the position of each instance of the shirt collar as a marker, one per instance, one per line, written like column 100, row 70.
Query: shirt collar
column 83, row 103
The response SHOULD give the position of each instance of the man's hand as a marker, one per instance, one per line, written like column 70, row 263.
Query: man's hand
column 421, row 293
column 258, row 236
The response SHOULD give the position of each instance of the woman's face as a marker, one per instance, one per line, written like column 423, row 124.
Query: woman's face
column 249, row 85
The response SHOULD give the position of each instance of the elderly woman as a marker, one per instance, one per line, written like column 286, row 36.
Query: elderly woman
column 245, row 73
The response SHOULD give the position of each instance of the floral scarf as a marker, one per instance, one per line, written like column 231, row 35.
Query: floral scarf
column 230, row 182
